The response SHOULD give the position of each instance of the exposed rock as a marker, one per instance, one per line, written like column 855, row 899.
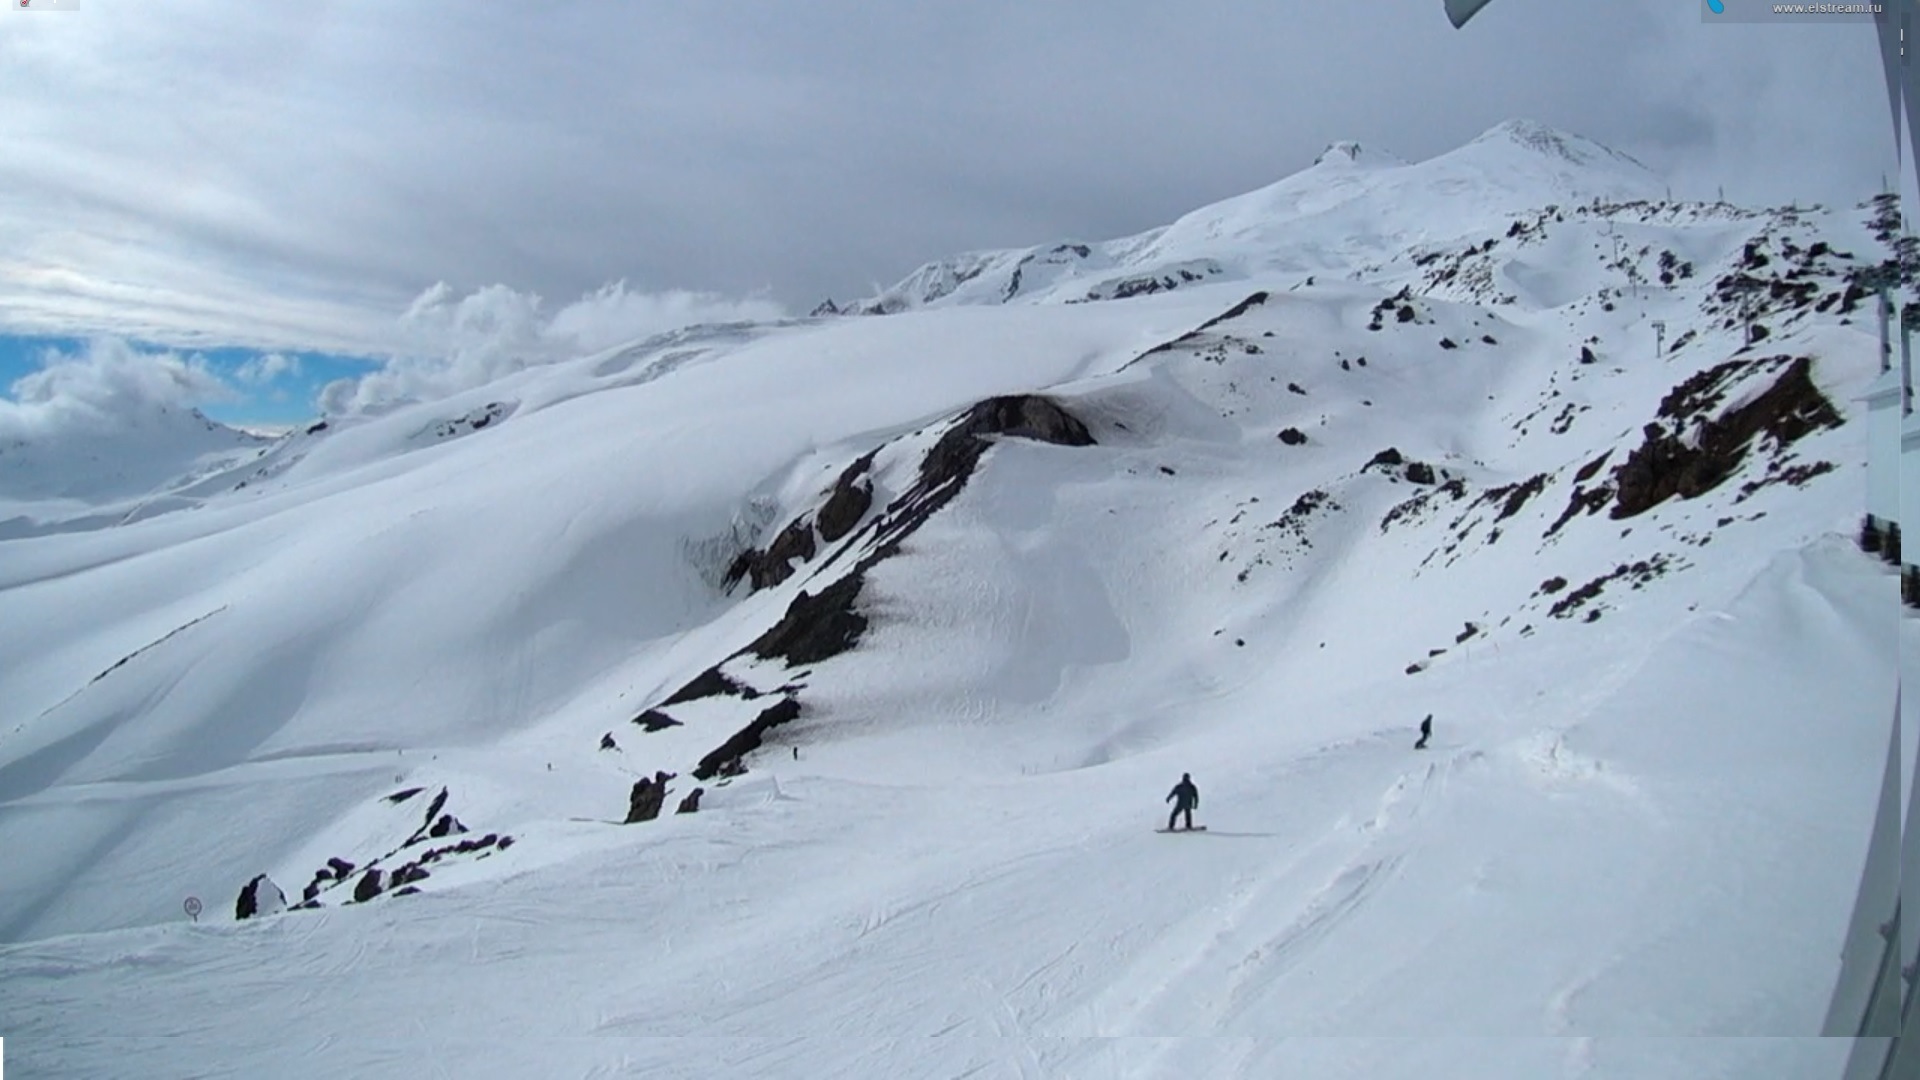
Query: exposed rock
column 607, row 743
column 1583, row 498
column 1252, row 301
column 1293, row 436
column 402, row 796
column 709, row 683
column 368, row 886
column 430, row 820
column 1638, row 573
column 655, row 720
column 747, row 739
column 691, row 804
column 816, row 627
column 1517, row 495
column 852, row 497
column 259, row 897
column 774, row 565
column 1665, row 466
column 1420, row 472
column 648, row 795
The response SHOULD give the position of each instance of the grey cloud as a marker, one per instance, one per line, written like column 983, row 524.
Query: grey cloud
column 325, row 163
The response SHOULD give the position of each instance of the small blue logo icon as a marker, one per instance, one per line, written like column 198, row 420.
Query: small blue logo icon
column 1719, row 7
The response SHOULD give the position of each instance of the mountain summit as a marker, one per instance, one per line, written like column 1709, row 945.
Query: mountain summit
column 1355, row 207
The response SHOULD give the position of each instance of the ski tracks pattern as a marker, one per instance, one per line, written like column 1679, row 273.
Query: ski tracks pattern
column 1211, row 968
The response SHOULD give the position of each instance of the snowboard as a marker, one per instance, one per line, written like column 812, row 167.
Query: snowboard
column 1196, row 828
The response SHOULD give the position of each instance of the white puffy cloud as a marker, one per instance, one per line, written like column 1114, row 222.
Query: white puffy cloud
column 267, row 368
column 108, row 385
column 613, row 314
column 457, row 342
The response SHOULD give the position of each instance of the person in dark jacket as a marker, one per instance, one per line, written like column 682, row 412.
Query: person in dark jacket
column 1426, row 732
column 1185, row 797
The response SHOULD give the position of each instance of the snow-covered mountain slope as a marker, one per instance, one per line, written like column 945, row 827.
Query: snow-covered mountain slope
column 919, row 617
column 1355, row 206
column 104, row 471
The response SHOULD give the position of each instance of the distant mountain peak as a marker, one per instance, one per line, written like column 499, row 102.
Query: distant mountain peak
column 1553, row 142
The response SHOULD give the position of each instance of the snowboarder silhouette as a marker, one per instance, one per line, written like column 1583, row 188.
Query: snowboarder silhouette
column 1426, row 732
column 1185, row 797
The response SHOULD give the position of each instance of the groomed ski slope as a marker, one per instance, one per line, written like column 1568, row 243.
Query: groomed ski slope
column 1640, row 818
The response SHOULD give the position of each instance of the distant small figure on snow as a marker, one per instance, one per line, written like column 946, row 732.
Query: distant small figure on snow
column 1185, row 798
column 796, row 753
column 1426, row 732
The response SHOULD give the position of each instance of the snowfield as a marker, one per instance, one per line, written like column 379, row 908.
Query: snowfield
column 933, row 607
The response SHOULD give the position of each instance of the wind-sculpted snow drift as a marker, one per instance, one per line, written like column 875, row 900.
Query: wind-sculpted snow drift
column 913, row 615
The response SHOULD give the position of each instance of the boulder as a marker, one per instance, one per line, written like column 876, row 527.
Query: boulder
column 259, row 897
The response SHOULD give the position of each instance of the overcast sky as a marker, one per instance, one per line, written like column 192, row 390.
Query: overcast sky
column 301, row 177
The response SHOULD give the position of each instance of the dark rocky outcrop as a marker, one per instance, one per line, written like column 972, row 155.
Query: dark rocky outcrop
column 1586, row 471
column 607, row 743
column 1420, row 472
column 1589, row 500
column 1665, row 465
column 709, row 683
column 1513, row 497
column 846, row 504
column 259, row 897
column 648, row 796
column 1252, row 301
column 369, row 886
column 747, row 739
column 1293, row 436
column 763, row 569
column 655, row 720
column 851, row 498
column 1636, row 573
column 816, row 627
column 691, row 804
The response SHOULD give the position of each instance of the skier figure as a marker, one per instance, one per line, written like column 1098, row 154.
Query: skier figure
column 1185, row 797
column 1426, row 732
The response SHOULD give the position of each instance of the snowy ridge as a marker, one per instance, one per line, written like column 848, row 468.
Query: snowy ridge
column 1353, row 207
column 932, row 609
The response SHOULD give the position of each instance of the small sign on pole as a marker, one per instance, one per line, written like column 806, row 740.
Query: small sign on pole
column 192, row 907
